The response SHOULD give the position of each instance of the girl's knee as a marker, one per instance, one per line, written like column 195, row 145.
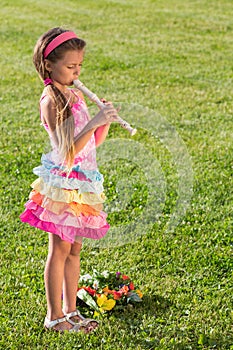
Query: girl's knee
column 76, row 249
column 58, row 246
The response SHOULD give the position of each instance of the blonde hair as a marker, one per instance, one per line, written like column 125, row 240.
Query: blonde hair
column 64, row 117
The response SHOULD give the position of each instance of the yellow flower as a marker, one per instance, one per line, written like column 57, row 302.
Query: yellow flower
column 139, row 293
column 104, row 303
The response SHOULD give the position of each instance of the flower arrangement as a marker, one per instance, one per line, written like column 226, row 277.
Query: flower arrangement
column 103, row 291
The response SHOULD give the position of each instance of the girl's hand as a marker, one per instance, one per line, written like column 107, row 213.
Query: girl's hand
column 106, row 115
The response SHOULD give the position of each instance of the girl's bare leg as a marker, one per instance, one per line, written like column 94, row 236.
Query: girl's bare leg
column 71, row 277
column 59, row 250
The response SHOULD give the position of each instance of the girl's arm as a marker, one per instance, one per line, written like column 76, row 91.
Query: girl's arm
column 101, row 134
column 48, row 117
column 99, row 123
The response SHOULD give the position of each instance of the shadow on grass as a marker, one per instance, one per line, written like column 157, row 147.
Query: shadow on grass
column 141, row 319
column 136, row 323
column 150, row 321
column 158, row 310
column 153, row 306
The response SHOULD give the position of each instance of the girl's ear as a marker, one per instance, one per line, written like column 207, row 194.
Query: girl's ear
column 47, row 65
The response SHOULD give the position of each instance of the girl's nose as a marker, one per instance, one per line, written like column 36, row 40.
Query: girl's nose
column 77, row 72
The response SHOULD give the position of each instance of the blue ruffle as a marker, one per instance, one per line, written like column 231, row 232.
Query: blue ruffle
column 94, row 185
column 93, row 175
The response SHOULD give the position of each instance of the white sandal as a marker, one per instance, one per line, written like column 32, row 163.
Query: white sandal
column 49, row 325
column 84, row 321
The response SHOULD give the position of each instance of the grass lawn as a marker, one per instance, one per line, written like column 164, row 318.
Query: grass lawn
column 169, row 64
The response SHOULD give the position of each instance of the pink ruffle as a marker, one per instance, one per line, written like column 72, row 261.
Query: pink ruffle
column 66, row 233
column 66, row 218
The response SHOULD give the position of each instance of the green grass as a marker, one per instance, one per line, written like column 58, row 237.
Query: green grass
column 175, row 58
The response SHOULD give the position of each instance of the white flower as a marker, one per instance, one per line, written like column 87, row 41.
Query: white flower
column 105, row 274
column 85, row 278
column 95, row 284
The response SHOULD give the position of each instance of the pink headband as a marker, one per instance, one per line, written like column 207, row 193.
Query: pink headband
column 61, row 38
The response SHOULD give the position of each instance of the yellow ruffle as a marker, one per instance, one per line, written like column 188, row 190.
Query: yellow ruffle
column 67, row 196
column 59, row 207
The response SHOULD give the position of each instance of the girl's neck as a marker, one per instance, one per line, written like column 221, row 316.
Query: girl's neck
column 71, row 98
column 65, row 91
column 62, row 88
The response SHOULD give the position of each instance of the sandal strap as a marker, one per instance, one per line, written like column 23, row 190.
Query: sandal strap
column 84, row 321
column 51, row 324
column 75, row 313
column 76, row 328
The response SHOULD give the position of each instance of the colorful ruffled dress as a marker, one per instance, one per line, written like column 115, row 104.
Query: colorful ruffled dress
column 68, row 204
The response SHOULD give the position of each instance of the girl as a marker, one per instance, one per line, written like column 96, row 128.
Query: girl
column 67, row 198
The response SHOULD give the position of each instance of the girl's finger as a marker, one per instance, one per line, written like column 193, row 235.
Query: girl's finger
column 108, row 103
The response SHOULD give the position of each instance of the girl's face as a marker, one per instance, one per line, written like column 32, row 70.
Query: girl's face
column 67, row 69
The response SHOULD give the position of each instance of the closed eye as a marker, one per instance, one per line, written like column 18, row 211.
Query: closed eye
column 74, row 65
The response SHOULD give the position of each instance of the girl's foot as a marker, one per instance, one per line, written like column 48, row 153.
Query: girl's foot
column 87, row 324
column 61, row 325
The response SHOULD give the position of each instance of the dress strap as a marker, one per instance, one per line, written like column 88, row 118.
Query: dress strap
column 75, row 93
column 80, row 98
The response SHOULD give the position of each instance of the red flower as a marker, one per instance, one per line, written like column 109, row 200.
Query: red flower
column 131, row 286
column 89, row 290
column 116, row 295
column 124, row 277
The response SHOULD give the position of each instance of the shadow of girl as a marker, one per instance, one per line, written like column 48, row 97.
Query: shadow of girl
column 141, row 320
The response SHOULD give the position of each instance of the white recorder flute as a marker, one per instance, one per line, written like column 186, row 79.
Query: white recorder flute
column 93, row 97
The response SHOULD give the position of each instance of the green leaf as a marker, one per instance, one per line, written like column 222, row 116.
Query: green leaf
column 131, row 296
column 85, row 296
